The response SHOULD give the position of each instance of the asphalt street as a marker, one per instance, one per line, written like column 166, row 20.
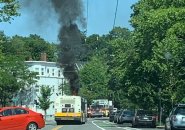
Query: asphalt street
column 92, row 124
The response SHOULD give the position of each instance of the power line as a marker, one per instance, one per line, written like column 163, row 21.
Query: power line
column 115, row 13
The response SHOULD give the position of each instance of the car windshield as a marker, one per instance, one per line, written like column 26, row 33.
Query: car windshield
column 130, row 113
column 113, row 113
column 117, row 112
column 148, row 113
column 180, row 111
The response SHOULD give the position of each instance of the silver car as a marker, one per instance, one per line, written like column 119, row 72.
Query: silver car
column 176, row 119
column 126, row 116
column 116, row 116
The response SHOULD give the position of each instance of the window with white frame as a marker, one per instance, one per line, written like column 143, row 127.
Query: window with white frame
column 42, row 71
column 53, row 72
column 53, row 88
column 58, row 73
column 37, row 70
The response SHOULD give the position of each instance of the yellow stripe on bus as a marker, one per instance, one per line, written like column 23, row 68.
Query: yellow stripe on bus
column 68, row 114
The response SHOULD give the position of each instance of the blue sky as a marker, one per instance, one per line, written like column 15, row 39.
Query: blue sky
column 100, row 20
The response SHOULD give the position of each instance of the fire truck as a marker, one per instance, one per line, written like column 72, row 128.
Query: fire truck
column 73, row 108
column 99, row 108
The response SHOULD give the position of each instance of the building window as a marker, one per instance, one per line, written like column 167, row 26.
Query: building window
column 59, row 73
column 42, row 71
column 37, row 70
column 48, row 70
column 53, row 72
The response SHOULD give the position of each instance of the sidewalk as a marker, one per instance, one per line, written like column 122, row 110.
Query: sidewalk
column 160, row 127
column 49, row 120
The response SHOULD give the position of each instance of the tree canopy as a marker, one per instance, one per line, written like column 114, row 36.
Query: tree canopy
column 8, row 9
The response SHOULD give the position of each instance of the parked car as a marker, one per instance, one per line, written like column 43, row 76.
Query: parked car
column 111, row 116
column 144, row 117
column 176, row 118
column 126, row 116
column 116, row 116
column 19, row 118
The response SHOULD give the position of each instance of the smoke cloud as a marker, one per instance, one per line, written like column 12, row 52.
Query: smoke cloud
column 70, row 13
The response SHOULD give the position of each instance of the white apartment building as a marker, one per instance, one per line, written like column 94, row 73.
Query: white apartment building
column 50, row 74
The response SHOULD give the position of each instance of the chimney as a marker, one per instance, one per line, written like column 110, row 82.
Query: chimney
column 43, row 57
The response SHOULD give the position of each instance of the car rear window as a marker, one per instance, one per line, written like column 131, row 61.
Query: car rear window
column 148, row 113
column 112, row 113
column 18, row 111
column 180, row 111
column 130, row 113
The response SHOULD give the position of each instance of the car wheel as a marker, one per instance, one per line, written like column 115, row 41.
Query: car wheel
column 153, row 126
column 172, row 128
column 134, row 125
column 58, row 122
column 32, row 126
column 117, row 121
column 165, row 127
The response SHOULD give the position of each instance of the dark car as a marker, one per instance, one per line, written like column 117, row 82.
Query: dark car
column 176, row 118
column 111, row 116
column 126, row 116
column 144, row 117
column 116, row 116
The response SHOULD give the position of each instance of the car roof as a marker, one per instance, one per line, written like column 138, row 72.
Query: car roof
column 180, row 105
column 11, row 107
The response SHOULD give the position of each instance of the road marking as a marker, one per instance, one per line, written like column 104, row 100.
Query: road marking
column 109, row 123
column 113, row 124
column 58, row 127
column 98, row 126
column 125, row 128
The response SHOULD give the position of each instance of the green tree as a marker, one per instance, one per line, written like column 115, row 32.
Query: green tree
column 44, row 99
column 119, row 32
column 8, row 9
column 122, row 62
column 36, row 45
column 28, row 48
column 159, row 30
column 14, row 76
column 94, row 80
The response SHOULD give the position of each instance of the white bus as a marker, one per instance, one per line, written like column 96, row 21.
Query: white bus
column 73, row 108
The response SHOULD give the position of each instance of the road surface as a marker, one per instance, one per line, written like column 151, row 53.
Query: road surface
column 93, row 124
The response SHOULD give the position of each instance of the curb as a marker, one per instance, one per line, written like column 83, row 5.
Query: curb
column 160, row 127
column 48, row 122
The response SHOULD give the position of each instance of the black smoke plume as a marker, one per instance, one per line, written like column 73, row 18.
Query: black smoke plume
column 70, row 13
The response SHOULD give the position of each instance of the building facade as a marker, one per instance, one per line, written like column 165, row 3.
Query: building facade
column 50, row 74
